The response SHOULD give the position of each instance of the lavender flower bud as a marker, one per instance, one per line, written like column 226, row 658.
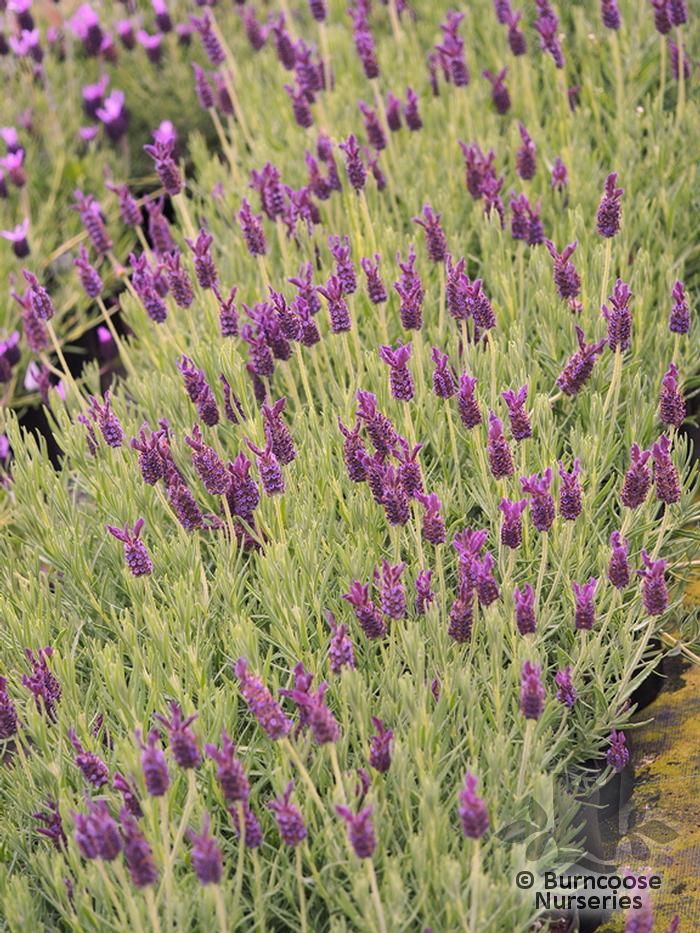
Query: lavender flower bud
column 89, row 276
column 671, row 401
column 251, row 832
column 253, row 233
column 678, row 10
column 662, row 17
column 42, row 683
column 367, row 614
column 610, row 208
column 473, row 814
column 229, row 772
column 654, row 590
column 424, row 595
column 53, row 825
column 467, row 404
column 610, row 14
column 411, row 112
column 337, row 306
column 207, row 859
column 667, row 483
column 444, row 382
column 618, row 754
column 526, row 157
column 525, row 617
column 584, row 615
column 579, row 366
column 511, row 527
column 290, row 822
column 637, row 481
column 433, row 529
column 136, row 556
column 500, row 457
column 183, row 743
column 435, row 235
column 153, row 764
column 354, row 166
column 204, row 266
column 91, row 217
column 207, row 464
column 373, row 127
column 570, row 494
column 516, row 37
column 360, row 830
column 166, row 168
column 487, row 590
column 260, row 702
column 126, row 789
column 210, row 43
column 91, row 766
column 341, row 652
column 461, row 615
column 679, row 320
column 96, row 834
column 391, row 590
column 566, row 278
column 503, row 10
column 380, row 747
column 618, row 317
column 8, row 713
column 532, row 693
column 519, row 418
column 618, row 567
column 269, row 469
column 499, row 91
column 137, row 852
column 39, row 299
column 566, row 692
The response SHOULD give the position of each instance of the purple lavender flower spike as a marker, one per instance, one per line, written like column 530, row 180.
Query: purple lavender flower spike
column 667, row 484
column 525, row 617
column 373, row 126
column 498, row 450
column 154, row 454
column 89, row 276
column 467, row 404
column 662, row 16
column 618, row 567
column 91, row 766
column 18, row 237
column 251, row 831
column 205, row 94
column 269, row 469
column 461, row 615
column 451, row 51
column 129, row 211
column 360, row 830
column 678, row 11
column 153, row 764
column 260, row 702
column 199, row 391
column 679, row 320
column 137, row 852
column 108, row 423
column 344, row 268
column 526, row 161
column 619, row 317
column 393, row 112
column 183, row 743
column 367, row 614
column 354, row 166
column 341, row 652
column 394, row 497
column 584, row 614
column 519, row 419
column 210, row 42
column 91, row 216
column 290, row 822
column 637, row 481
column 375, row 287
column 541, row 501
column 252, row 228
column 560, row 175
column 229, row 771
column 380, row 747
column 39, row 299
column 277, row 433
column 511, row 532
column 676, row 57
column 8, row 713
column 204, row 266
column 85, row 25
column 434, row 234
column 97, row 834
column 128, row 792
column 499, row 92
column 671, row 401
column 400, row 378
column 516, row 37
column 566, row 277
column 53, row 825
column 424, row 595
column 207, row 859
column 618, row 754
column 316, row 714
column 433, row 528
column 338, row 310
column 610, row 14
column 411, row 111
column 391, row 589
column 579, row 366
column 165, row 165
column 547, row 25
column 353, row 452
column 444, row 382
column 206, row 462
column 654, row 589
column 473, row 814
column 570, row 493
column 532, row 692
column 610, row 208
column 300, row 106
column 136, row 556
column 566, row 692
column 487, row 589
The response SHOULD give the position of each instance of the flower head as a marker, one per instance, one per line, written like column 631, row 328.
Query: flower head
column 360, row 830
column 618, row 754
column 290, row 822
column 654, row 589
column 260, row 702
column 473, row 814
column 584, row 613
column 610, row 208
column 136, row 556
column 183, row 743
column 380, row 747
column 532, row 693
column 525, row 617
column 207, row 859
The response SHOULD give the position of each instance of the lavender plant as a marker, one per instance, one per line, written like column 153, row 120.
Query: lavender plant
column 393, row 571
